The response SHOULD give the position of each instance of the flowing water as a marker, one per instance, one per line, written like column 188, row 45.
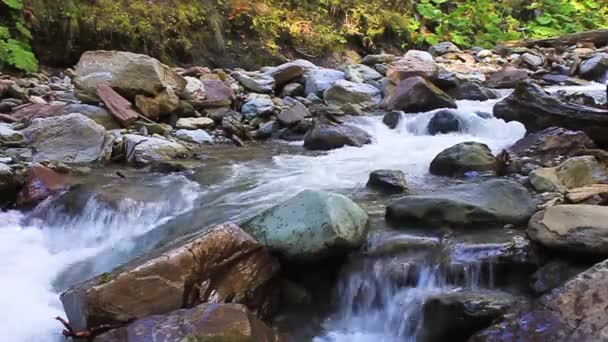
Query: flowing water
column 53, row 247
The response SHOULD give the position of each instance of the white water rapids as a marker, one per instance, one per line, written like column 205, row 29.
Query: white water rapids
column 33, row 252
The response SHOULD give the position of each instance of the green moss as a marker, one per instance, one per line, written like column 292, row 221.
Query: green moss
column 105, row 278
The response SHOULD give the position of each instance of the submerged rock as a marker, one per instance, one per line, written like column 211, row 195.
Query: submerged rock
column 392, row 118
column 573, row 228
column 415, row 94
column 389, row 181
column 538, row 109
column 219, row 265
column 206, row 322
column 128, row 73
column 491, row 202
column 311, row 225
column 443, row 122
column 322, row 136
column 462, row 158
column 71, row 138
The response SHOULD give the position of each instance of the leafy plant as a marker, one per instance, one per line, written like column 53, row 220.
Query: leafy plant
column 15, row 49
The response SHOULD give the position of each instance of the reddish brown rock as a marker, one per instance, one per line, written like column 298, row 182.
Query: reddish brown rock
column 206, row 322
column 218, row 94
column 506, row 77
column 416, row 94
column 40, row 183
column 33, row 111
column 221, row 264
column 118, row 106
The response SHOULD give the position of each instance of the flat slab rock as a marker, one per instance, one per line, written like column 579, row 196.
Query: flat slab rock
column 221, row 264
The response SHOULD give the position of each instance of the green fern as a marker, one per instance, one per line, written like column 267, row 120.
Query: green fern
column 15, row 50
column 14, row 4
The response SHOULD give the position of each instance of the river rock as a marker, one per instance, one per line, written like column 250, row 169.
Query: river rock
column 197, row 136
column 595, row 68
column 507, row 77
column 311, row 225
column 292, row 90
column 218, row 94
column 345, row 92
column 194, row 90
column 455, row 316
column 416, row 94
column 546, row 146
column 8, row 134
column 254, row 82
column 287, row 72
column 443, row 122
column 443, row 48
column 537, row 110
column 257, row 105
column 205, row 322
column 10, row 184
column 388, row 181
column 95, row 113
column 71, row 138
column 495, row 201
column 573, row 312
column 145, row 150
column 532, row 60
column 575, row 172
column 318, row 80
column 463, row 157
column 366, row 74
column 220, row 264
column 472, row 91
column 392, row 119
column 128, row 73
column 552, row 275
column 163, row 104
column 195, row 123
column 293, row 114
column 40, row 183
column 322, row 136
column 414, row 63
column 573, row 228
column 378, row 59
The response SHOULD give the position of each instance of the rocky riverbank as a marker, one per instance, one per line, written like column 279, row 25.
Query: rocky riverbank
column 526, row 220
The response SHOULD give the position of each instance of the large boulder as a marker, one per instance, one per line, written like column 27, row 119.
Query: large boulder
column 472, row 91
column 161, row 105
column 491, row 202
column 443, row 122
column 415, row 94
column 144, row 150
column 311, row 225
column 317, row 80
column 221, row 264
column 324, row 137
column 574, row 173
column 414, row 63
column 128, row 73
column 349, row 93
column 538, row 109
column 462, row 158
column 573, row 312
column 572, row 228
column 595, row 68
column 98, row 114
column 359, row 73
column 206, row 322
column 71, row 138
column 546, row 146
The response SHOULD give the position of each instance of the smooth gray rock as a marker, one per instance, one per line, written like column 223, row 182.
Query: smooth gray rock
column 318, row 80
column 495, row 201
column 345, row 92
column 71, row 138
column 443, row 48
column 257, row 105
column 463, row 157
column 257, row 83
column 145, row 150
column 198, row 136
column 388, row 181
column 311, row 225
column 325, row 137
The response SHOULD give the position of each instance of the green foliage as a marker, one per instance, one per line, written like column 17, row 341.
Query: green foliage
column 15, row 50
column 159, row 27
